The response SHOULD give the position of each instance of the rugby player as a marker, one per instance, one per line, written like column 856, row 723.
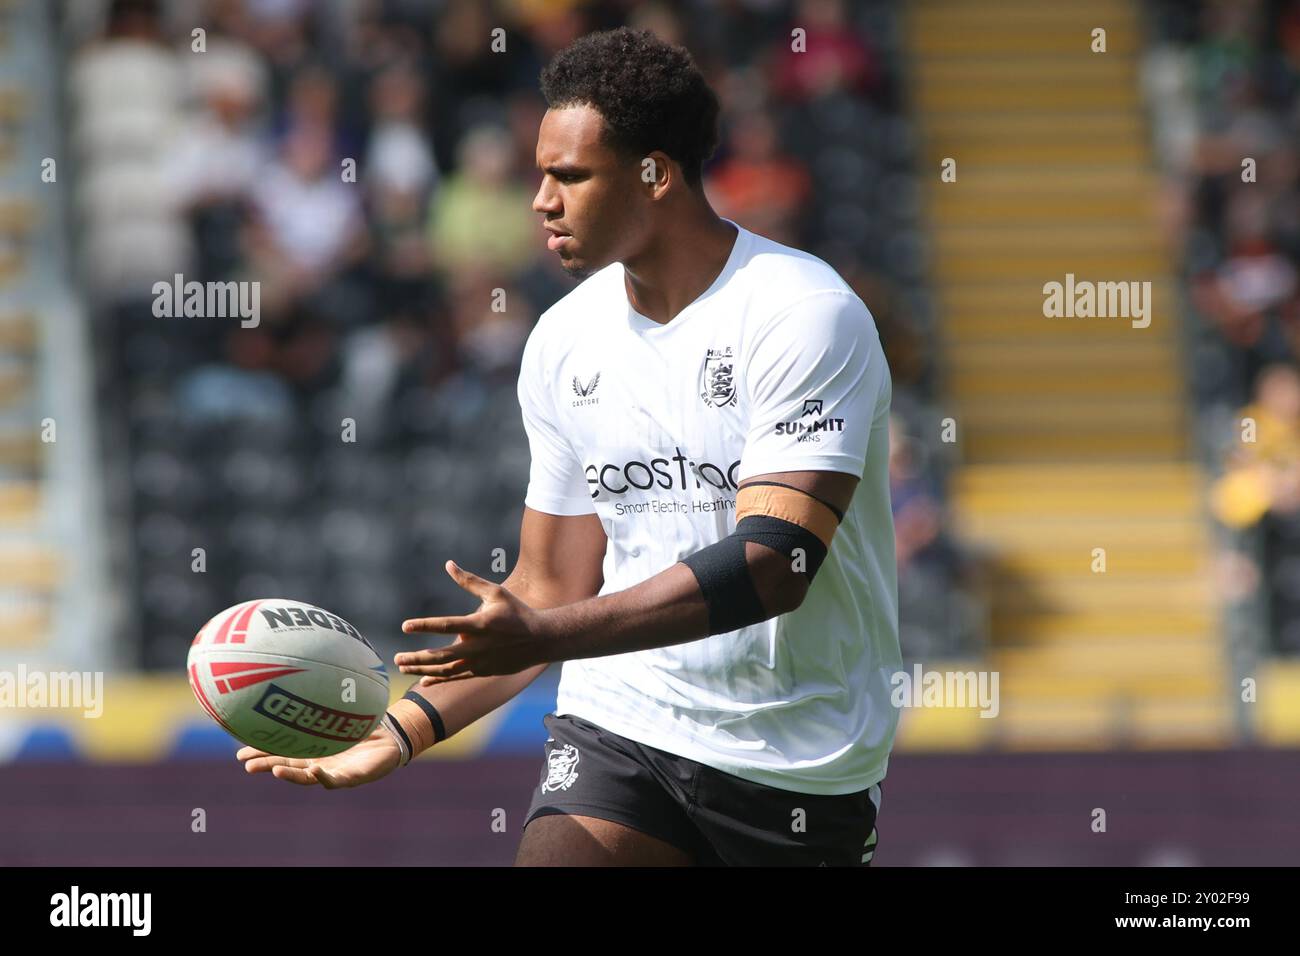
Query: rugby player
column 707, row 541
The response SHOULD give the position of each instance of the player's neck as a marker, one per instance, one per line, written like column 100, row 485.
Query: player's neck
column 678, row 266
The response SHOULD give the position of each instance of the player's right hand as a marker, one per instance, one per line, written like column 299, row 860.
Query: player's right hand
column 375, row 757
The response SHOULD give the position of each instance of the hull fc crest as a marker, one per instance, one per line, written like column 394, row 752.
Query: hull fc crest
column 561, row 768
column 718, row 378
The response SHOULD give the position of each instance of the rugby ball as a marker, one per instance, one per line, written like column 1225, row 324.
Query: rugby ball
column 288, row 678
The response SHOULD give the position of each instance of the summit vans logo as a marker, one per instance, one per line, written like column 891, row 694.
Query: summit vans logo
column 810, row 431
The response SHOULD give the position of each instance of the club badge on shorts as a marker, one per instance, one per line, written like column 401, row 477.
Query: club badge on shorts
column 561, row 768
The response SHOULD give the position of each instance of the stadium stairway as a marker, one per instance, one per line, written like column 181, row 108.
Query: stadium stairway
column 50, row 589
column 28, row 567
column 1073, row 431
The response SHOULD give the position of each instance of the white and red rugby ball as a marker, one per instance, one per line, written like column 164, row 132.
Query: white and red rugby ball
column 288, row 678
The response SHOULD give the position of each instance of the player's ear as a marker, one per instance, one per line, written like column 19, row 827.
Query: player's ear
column 655, row 169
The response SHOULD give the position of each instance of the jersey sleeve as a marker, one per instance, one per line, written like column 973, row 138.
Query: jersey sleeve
column 815, row 376
column 556, row 483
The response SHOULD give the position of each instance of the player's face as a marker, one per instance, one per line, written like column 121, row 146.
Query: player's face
column 588, row 191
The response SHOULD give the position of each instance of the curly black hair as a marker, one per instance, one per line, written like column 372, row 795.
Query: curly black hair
column 649, row 92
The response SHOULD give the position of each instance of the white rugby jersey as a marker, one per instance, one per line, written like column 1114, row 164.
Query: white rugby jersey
column 776, row 367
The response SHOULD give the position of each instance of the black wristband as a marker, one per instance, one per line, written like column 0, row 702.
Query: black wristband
column 435, row 718
column 723, row 575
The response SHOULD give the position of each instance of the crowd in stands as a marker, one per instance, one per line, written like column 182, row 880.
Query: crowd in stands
column 1225, row 77
column 371, row 166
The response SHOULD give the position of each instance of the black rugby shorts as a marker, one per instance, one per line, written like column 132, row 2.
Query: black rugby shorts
column 716, row 817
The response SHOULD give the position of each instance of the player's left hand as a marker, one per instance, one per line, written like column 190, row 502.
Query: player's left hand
column 504, row 636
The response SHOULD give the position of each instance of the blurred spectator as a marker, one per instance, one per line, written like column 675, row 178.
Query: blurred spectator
column 399, row 157
column 1264, row 474
column 1227, row 53
column 939, row 584
column 313, row 108
column 125, row 92
column 905, row 345
column 308, row 225
column 1225, row 78
column 280, row 31
column 482, row 191
column 220, row 153
column 834, row 58
column 219, row 393
column 490, row 327
column 400, row 175
column 759, row 185
column 915, row 503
